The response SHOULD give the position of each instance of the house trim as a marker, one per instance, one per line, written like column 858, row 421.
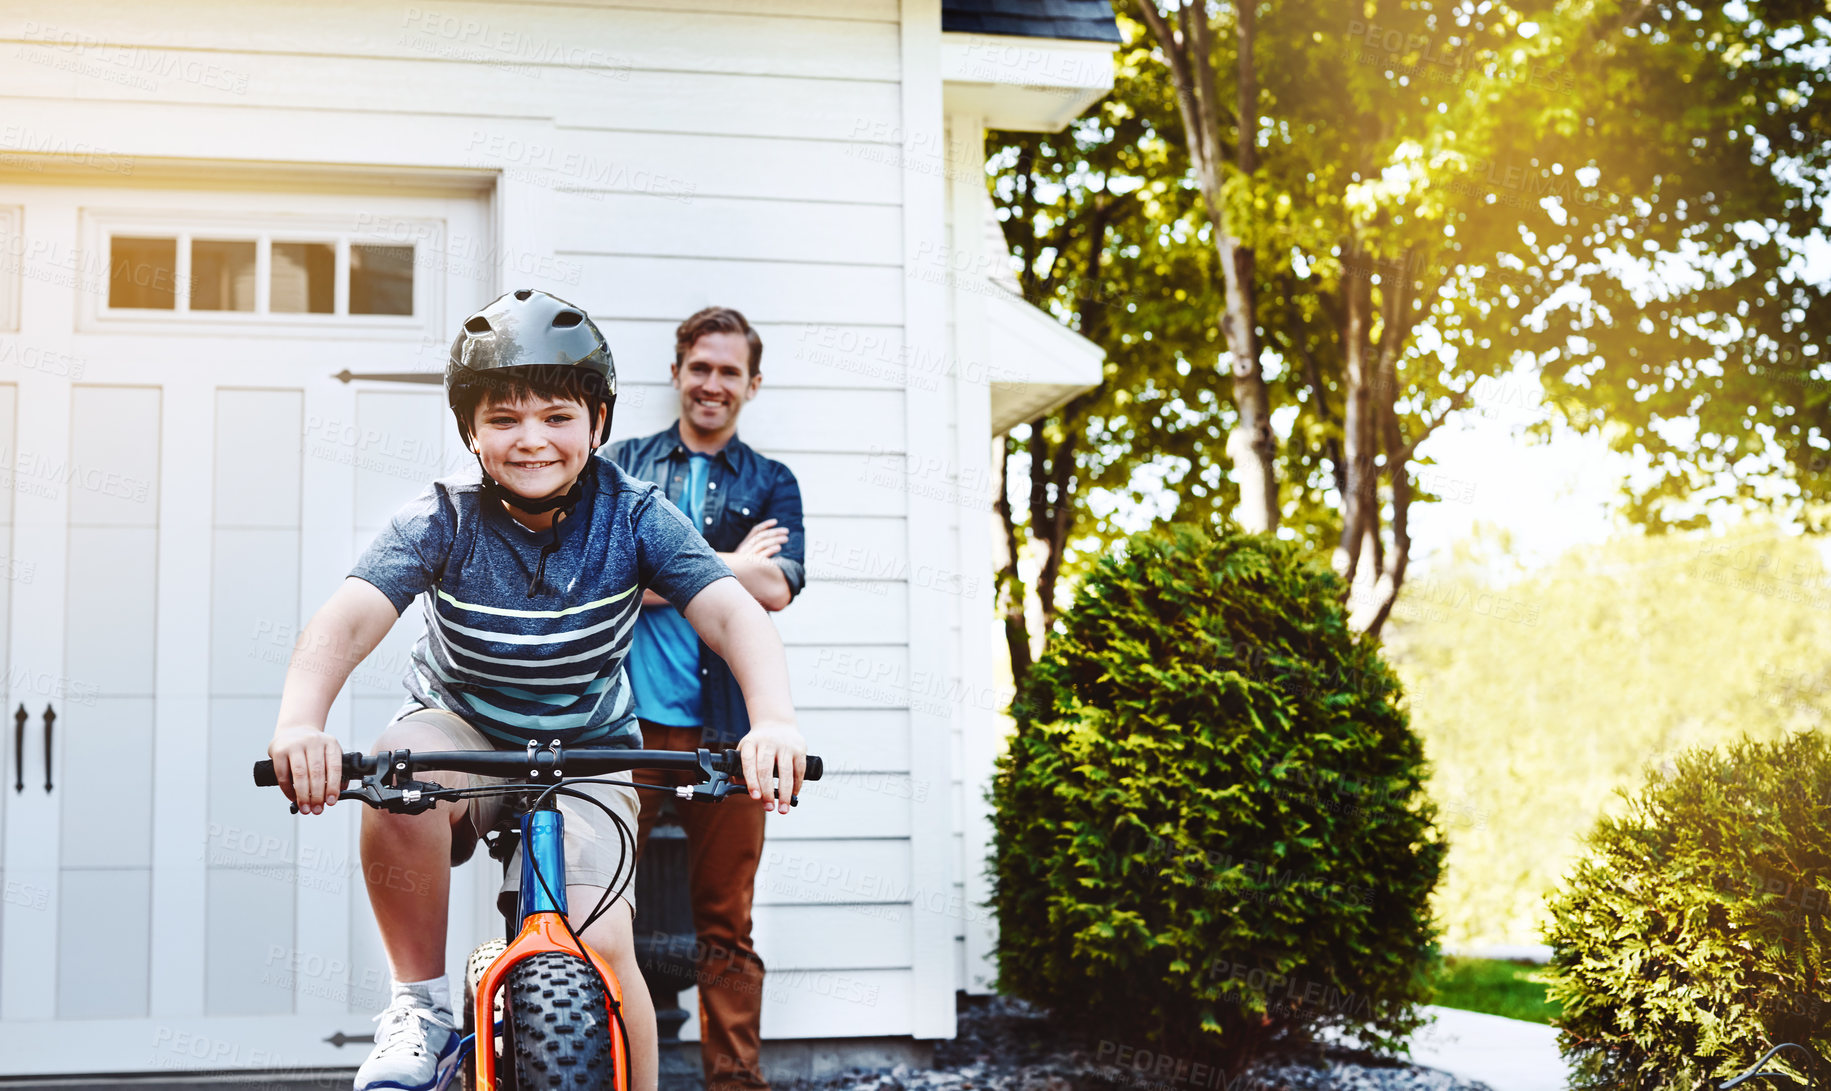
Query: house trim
column 1027, row 84
column 981, row 727
column 1051, row 362
column 925, row 326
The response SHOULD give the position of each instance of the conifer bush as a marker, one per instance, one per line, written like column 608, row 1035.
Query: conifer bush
column 1693, row 933
column 1212, row 833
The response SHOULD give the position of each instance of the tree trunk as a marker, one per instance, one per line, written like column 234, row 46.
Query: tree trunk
column 1389, row 573
column 1360, row 500
column 1299, row 337
column 1009, row 584
column 1251, row 445
column 1055, row 516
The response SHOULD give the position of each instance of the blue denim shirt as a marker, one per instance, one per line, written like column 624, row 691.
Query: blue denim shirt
column 742, row 489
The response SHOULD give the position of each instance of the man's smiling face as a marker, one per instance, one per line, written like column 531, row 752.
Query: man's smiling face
column 714, row 381
column 534, row 447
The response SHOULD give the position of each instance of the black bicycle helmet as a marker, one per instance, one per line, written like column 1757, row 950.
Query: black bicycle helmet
column 530, row 329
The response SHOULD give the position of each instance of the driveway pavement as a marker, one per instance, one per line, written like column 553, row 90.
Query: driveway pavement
column 1505, row 1054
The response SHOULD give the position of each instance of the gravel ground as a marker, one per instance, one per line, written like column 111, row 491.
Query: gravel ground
column 1006, row 1045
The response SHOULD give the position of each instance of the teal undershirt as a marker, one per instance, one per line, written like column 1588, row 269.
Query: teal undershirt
column 664, row 649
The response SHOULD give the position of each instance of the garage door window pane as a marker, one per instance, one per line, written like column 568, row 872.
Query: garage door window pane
column 304, row 278
column 381, row 279
column 143, row 273
column 222, row 275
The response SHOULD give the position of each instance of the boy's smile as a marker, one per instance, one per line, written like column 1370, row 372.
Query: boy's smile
column 534, row 448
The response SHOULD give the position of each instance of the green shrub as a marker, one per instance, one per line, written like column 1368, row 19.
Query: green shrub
column 1693, row 932
column 1211, row 829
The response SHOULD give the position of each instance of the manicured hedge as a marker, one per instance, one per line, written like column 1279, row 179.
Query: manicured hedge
column 1695, row 931
column 1211, row 827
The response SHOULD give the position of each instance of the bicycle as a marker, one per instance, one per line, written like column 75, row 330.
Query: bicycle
column 549, row 1040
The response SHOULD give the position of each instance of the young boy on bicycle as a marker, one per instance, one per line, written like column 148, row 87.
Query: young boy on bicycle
column 533, row 573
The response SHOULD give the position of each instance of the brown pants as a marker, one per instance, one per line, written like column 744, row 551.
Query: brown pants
column 724, row 844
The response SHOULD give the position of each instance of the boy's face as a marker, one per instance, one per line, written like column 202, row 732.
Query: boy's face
column 533, row 448
column 714, row 381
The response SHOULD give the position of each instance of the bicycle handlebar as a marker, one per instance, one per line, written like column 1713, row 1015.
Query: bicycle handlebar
column 581, row 762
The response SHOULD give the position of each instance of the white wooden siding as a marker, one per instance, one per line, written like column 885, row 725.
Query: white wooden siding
column 804, row 420
column 860, row 43
column 842, row 355
column 654, row 287
column 619, row 100
column 733, row 228
column 749, row 154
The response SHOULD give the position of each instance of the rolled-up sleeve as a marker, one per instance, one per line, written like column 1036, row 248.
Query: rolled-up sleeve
column 784, row 506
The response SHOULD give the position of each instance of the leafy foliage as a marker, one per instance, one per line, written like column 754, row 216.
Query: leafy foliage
column 1694, row 932
column 1542, row 696
column 1692, row 332
column 1617, row 200
column 1211, row 829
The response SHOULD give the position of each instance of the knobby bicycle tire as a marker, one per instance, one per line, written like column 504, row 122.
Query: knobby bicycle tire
column 559, row 1027
column 480, row 959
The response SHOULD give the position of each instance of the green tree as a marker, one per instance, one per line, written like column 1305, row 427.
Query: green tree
column 1104, row 233
column 1441, row 193
column 1696, row 337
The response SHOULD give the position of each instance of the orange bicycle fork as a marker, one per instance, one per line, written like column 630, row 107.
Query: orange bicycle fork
column 543, row 929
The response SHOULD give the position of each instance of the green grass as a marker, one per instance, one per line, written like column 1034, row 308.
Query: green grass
column 1513, row 989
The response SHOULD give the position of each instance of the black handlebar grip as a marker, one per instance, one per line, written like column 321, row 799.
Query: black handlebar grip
column 814, row 767
column 352, row 770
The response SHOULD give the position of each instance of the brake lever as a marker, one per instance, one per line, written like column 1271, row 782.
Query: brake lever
column 738, row 782
column 410, row 797
column 718, row 787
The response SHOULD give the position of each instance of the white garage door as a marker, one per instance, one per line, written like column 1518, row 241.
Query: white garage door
column 185, row 478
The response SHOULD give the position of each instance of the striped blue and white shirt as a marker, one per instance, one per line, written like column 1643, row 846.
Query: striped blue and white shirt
column 551, row 666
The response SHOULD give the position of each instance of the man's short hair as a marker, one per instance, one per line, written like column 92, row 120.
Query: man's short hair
column 718, row 320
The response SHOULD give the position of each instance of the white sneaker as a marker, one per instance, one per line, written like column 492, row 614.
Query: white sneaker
column 415, row 1046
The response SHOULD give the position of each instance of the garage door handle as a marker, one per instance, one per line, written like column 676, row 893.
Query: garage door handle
column 19, row 719
column 50, row 718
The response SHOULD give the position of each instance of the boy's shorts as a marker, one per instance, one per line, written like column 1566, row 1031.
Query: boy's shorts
column 595, row 850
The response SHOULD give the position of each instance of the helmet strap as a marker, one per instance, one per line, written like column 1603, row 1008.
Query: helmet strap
column 566, row 500
column 564, row 503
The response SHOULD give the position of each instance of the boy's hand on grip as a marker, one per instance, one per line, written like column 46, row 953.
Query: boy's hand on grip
column 308, row 763
column 773, row 753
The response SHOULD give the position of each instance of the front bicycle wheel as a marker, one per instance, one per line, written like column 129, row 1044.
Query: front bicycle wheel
column 480, row 960
column 558, row 1027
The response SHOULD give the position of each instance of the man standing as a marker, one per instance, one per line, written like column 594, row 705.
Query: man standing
column 749, row 509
